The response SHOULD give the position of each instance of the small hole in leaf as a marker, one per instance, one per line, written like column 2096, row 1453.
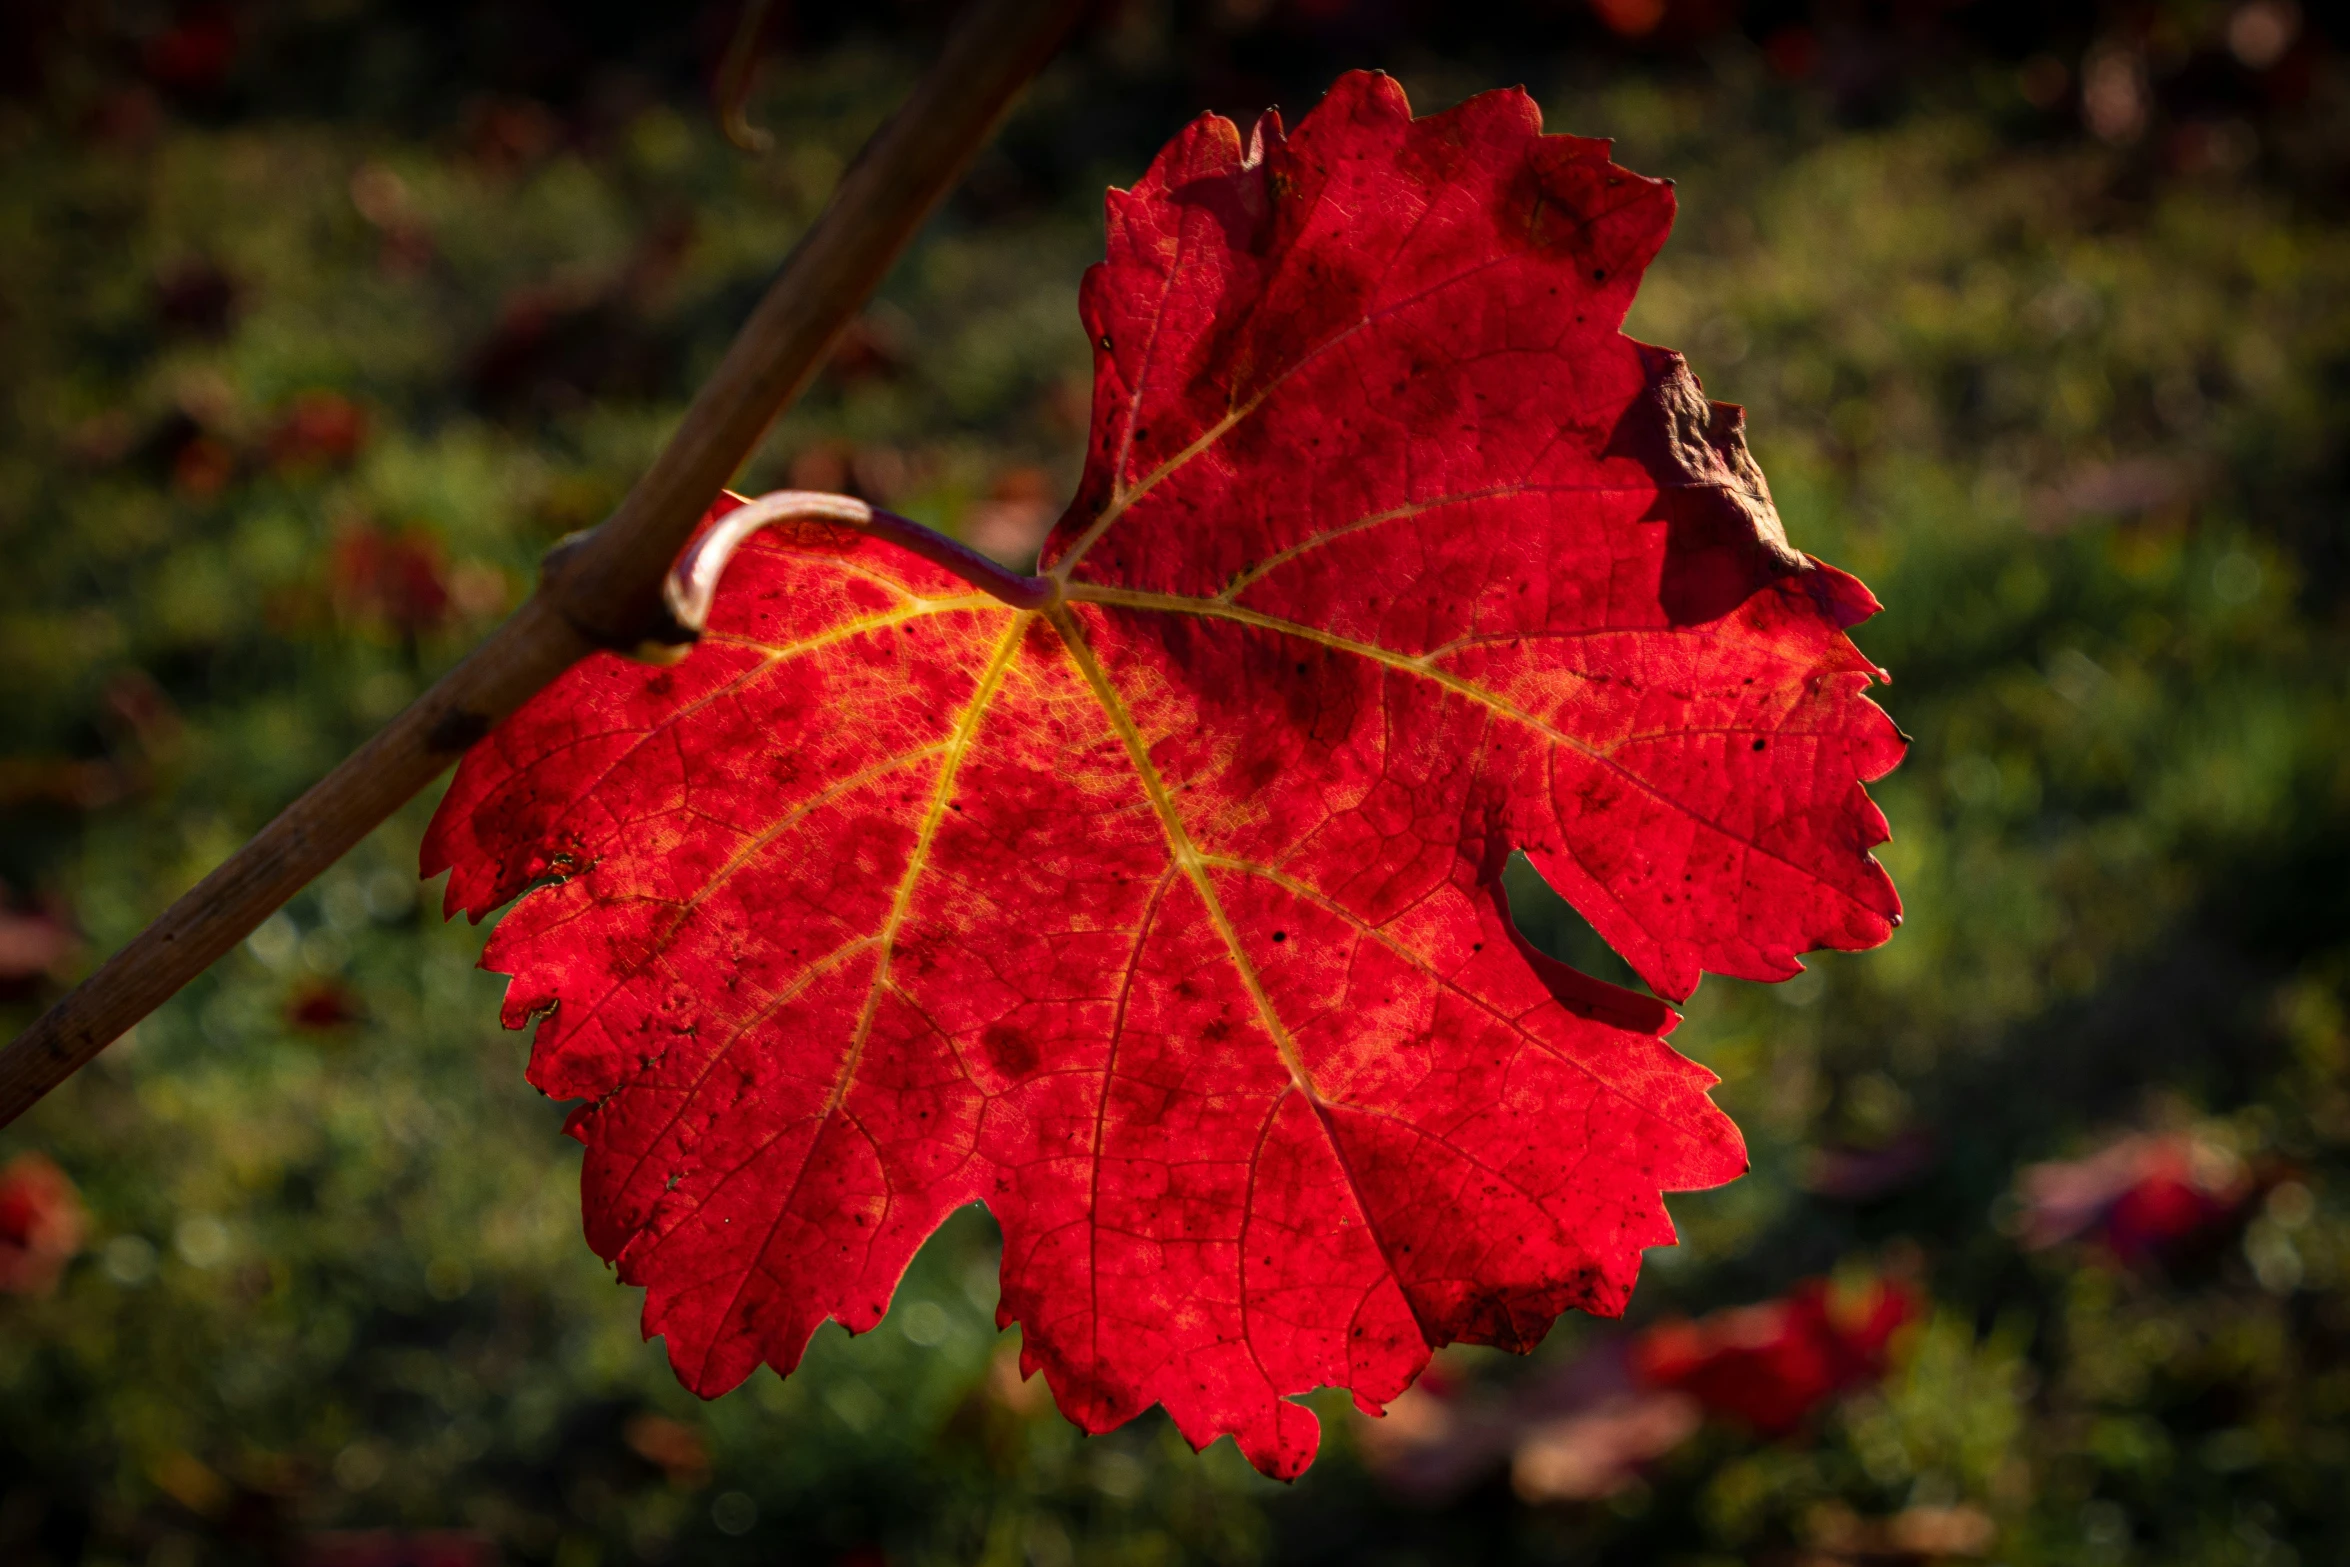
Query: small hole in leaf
column 1280, row 935
column 1759, row 744
column 1551, row 923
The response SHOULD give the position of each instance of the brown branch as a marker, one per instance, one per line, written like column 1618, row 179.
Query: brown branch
column 605, row 591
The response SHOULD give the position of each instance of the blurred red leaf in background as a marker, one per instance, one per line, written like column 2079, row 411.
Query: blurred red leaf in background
column 317, row 430
column 203, row 467
column 41, row 1225
column 1585, row 1428
column 2141, row 1195
column 672, row 1446
column 1771, row 1365
column 323, row 1005
column 195, row 52
column 32, row 944
column 398, row 579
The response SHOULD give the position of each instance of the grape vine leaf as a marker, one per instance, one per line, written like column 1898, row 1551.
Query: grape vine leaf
column 1167, row 919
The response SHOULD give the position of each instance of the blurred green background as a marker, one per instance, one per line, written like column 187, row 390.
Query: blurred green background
column 320, row 321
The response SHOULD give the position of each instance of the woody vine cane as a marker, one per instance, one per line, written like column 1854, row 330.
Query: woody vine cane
column 606, row 592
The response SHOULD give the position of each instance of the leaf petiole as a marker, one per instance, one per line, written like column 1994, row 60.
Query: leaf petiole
column 693, row 582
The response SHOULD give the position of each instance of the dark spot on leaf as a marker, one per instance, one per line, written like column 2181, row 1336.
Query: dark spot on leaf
column 1009, row 1050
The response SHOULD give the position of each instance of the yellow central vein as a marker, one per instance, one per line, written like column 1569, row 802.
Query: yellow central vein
column 1425, row 667
column 1422, row 665
column 1195, row 869
column 1179, row 843
column 966, row 726
column 774, row 657
column 958, row 746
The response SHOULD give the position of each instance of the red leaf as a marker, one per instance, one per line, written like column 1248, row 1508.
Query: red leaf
column 1773, row 1364
column 400, row 579
column 1168, row 920
column 41, row 1224
column 196, row 52
column 2143, row 1195
column 677, row 1448
column 324, row 1005
column 317, row 430
column 32, row 947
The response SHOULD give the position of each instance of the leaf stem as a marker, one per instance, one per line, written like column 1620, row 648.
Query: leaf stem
column 693, row 581
column 1041, row 592
column 607, row 591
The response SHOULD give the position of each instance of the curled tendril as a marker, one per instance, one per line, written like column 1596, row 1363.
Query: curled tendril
column 733, row 87
column 693, row 582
